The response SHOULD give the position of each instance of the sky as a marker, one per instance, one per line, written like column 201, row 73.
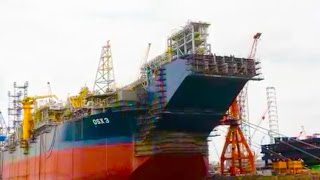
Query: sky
column 60, row 42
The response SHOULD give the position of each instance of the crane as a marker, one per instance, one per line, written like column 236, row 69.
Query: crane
column 243, row 94
column 241, row 160
column 27, row 106
column 253, row 50
column 235, row 142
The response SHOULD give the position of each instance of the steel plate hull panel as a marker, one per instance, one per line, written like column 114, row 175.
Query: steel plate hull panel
column 107, row 162
column 173, row 166
column 101, row 161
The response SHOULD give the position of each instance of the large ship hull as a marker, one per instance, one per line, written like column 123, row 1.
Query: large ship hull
column 165, row 140
column 82, row 150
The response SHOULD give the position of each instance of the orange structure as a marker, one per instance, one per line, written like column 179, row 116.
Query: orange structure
column 236, row 157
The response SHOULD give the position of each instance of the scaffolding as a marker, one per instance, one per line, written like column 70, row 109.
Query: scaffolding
column 244, row 113
column 272, row 113
column 15, row 106
column 104, row 81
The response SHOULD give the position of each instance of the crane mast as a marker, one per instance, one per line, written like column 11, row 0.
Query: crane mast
column 243, row 95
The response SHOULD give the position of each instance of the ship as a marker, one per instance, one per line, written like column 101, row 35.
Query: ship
column 285, row 148
column 157, row 127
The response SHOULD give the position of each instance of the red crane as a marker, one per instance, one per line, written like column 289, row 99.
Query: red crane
column 237, row 157
column 253, row 50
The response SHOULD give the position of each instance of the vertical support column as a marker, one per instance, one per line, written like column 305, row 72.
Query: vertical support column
column 272, row 113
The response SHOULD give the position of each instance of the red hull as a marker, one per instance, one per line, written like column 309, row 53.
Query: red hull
column 105, row 162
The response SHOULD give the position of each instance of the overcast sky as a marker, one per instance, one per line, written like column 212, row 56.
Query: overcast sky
column 60, row 41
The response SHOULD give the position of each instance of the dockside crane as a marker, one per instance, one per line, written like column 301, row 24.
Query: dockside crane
column 237, row 157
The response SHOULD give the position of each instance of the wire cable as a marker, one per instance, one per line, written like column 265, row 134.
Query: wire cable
column 292, row 146
column 257, row 145
column 272, row 152
column 316, row 157
column 290, row 138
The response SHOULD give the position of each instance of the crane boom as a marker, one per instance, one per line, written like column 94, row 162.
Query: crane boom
column 259, row 123
column 253, row 50
column 147, row 54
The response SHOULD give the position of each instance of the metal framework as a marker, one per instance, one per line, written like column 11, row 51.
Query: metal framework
column 236, row 157
column 15, row 106
column 104, row 81
column 244, row 112
column 272, row 113
column 192, row 39
column 243, row 96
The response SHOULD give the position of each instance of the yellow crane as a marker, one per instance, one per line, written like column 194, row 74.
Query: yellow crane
column 27, row 106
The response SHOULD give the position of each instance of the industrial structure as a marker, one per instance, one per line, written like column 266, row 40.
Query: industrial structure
column 243, row 95
column 155, row 123
column 15, row 107
column 237, row 157
column 156, row 127
column 105, row 82
column 272, row 114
